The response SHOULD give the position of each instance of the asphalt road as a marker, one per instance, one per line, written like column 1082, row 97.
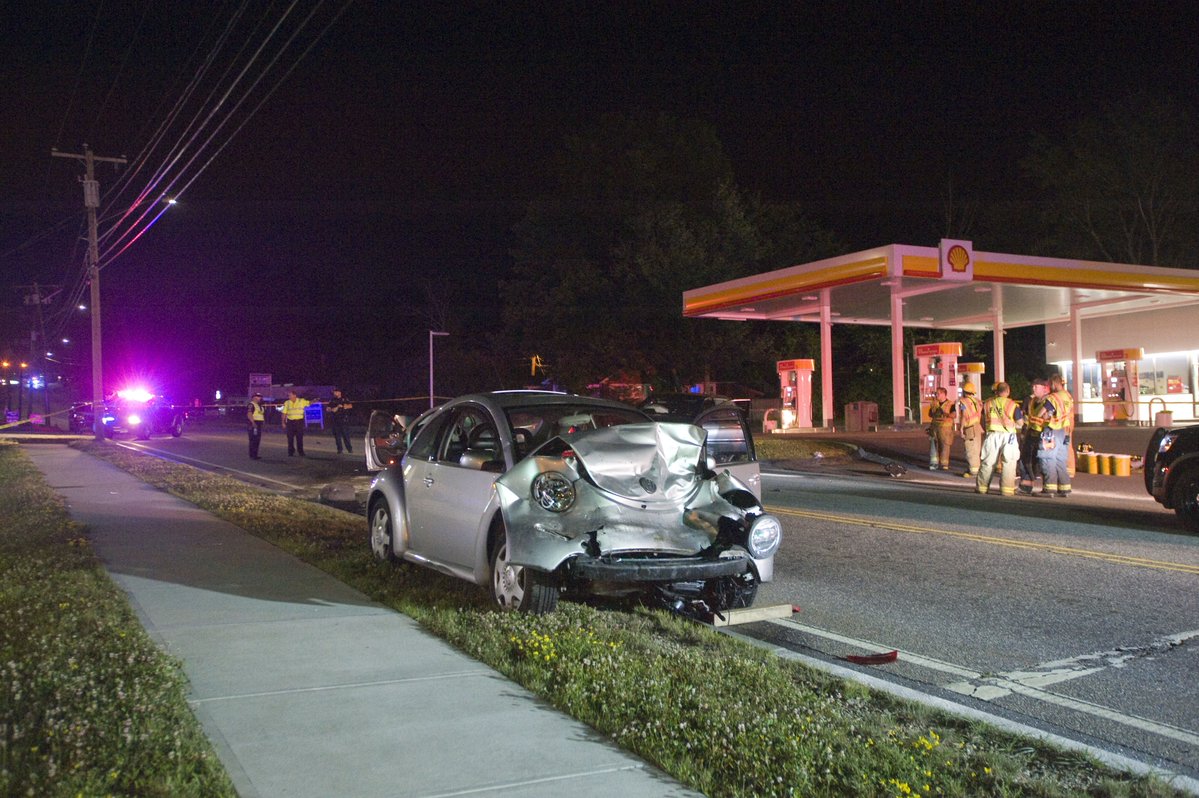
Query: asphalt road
column 221, row 446
column 1080, row 616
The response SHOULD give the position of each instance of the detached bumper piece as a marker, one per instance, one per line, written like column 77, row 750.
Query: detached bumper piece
column 657, row 569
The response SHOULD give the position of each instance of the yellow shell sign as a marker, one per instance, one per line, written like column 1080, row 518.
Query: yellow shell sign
column 957, row 260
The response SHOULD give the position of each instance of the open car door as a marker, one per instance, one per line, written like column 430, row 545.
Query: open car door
column 731, row 444
column 384, row 444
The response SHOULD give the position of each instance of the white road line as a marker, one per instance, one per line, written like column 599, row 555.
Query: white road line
column 1026, row 683
column 925, row 662
column 173, row 456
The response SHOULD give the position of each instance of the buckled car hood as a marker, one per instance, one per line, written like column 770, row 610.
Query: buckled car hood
column 641, row 461
column 634, row 487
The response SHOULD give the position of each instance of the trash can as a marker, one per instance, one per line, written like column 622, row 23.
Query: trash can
column 1105, row 464
column 1122, row 465
column 1163, row 418
column 861, row 416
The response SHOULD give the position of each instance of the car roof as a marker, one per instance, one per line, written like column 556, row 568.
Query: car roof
column 505, row 399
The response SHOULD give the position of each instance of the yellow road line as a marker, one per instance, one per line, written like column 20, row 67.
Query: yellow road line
column 1119, row 559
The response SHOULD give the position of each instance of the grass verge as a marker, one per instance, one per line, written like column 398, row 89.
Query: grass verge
column 719, row 715
column 774, row 447
column 88, row 703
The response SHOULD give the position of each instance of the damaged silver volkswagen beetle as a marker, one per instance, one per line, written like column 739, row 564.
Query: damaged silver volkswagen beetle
column 539, row 494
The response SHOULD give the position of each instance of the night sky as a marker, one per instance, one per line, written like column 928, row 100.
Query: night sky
column 401, row 148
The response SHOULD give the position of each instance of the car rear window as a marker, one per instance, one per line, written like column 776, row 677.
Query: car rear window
column 533, row 426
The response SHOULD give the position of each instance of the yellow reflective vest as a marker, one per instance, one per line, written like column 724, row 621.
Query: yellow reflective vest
column 1001, row 414
column 255, row 412
column 294, row 410
column 1063, row 410
column 1034, row 421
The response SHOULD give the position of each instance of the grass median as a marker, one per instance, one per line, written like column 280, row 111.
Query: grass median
column 89, row 705
column 719, row 715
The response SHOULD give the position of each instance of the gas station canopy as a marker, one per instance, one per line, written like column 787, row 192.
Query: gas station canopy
column 948, row 287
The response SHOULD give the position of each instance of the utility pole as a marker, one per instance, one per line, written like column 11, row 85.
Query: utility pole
column 91, row 200
column 38, row 298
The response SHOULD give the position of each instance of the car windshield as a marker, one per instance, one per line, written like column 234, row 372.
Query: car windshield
column 680, row 407
column 533, row 426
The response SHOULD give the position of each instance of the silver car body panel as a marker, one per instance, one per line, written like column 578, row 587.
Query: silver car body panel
column 646, row 495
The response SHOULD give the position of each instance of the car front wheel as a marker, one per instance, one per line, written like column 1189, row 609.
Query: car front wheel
column 177, row 427
column 518, row 588
column 1186, row 499
column 381, row 528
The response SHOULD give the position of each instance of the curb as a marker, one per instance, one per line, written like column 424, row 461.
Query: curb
column 1109, row 758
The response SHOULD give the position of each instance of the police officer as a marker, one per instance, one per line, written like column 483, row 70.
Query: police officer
column 293, row 422
column 338, row 410
column 1003, row 418
column 942, row 414
column 970, row 418
column 1058, row 412
column 1030, row 440
column 255, row 416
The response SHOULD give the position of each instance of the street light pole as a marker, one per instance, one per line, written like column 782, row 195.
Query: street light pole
column 431, row 334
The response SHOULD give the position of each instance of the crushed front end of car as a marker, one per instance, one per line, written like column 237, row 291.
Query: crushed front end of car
column 638, row 508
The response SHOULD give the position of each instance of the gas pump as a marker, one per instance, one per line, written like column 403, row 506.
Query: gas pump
column 795, row 381
column 972, row 373
column 1121, row 387
column 938, row 368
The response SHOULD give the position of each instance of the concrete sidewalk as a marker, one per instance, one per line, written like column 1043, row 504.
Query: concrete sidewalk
column 306, row 687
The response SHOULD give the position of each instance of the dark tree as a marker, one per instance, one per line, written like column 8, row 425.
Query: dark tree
column 1122, row 187
column 643, row 210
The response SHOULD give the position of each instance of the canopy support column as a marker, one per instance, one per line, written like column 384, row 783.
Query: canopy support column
column 1075, row 384
column 826, row 359
column 997, row 324
column 898, row 360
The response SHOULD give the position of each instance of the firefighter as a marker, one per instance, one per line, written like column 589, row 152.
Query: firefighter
column 942, row 413
column 1003, row 418
column 1058, row 412
column 293, row 422
column 970, row 418
column 1030, row 439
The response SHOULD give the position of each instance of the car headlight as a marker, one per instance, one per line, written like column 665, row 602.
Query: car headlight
column 764, row 536
column 134, row 419
column 553, row 491
column 1166, row 442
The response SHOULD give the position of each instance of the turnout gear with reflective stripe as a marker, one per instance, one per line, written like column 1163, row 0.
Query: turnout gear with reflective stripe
column 941, row 412
column 971, row 411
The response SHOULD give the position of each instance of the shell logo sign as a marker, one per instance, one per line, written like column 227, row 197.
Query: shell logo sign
column 957, row 260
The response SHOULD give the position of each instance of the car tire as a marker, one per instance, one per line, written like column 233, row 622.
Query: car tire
column 731, row 592
column 1186, row 498
column 520, row 589
column 177, row 427
column 382, row 531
